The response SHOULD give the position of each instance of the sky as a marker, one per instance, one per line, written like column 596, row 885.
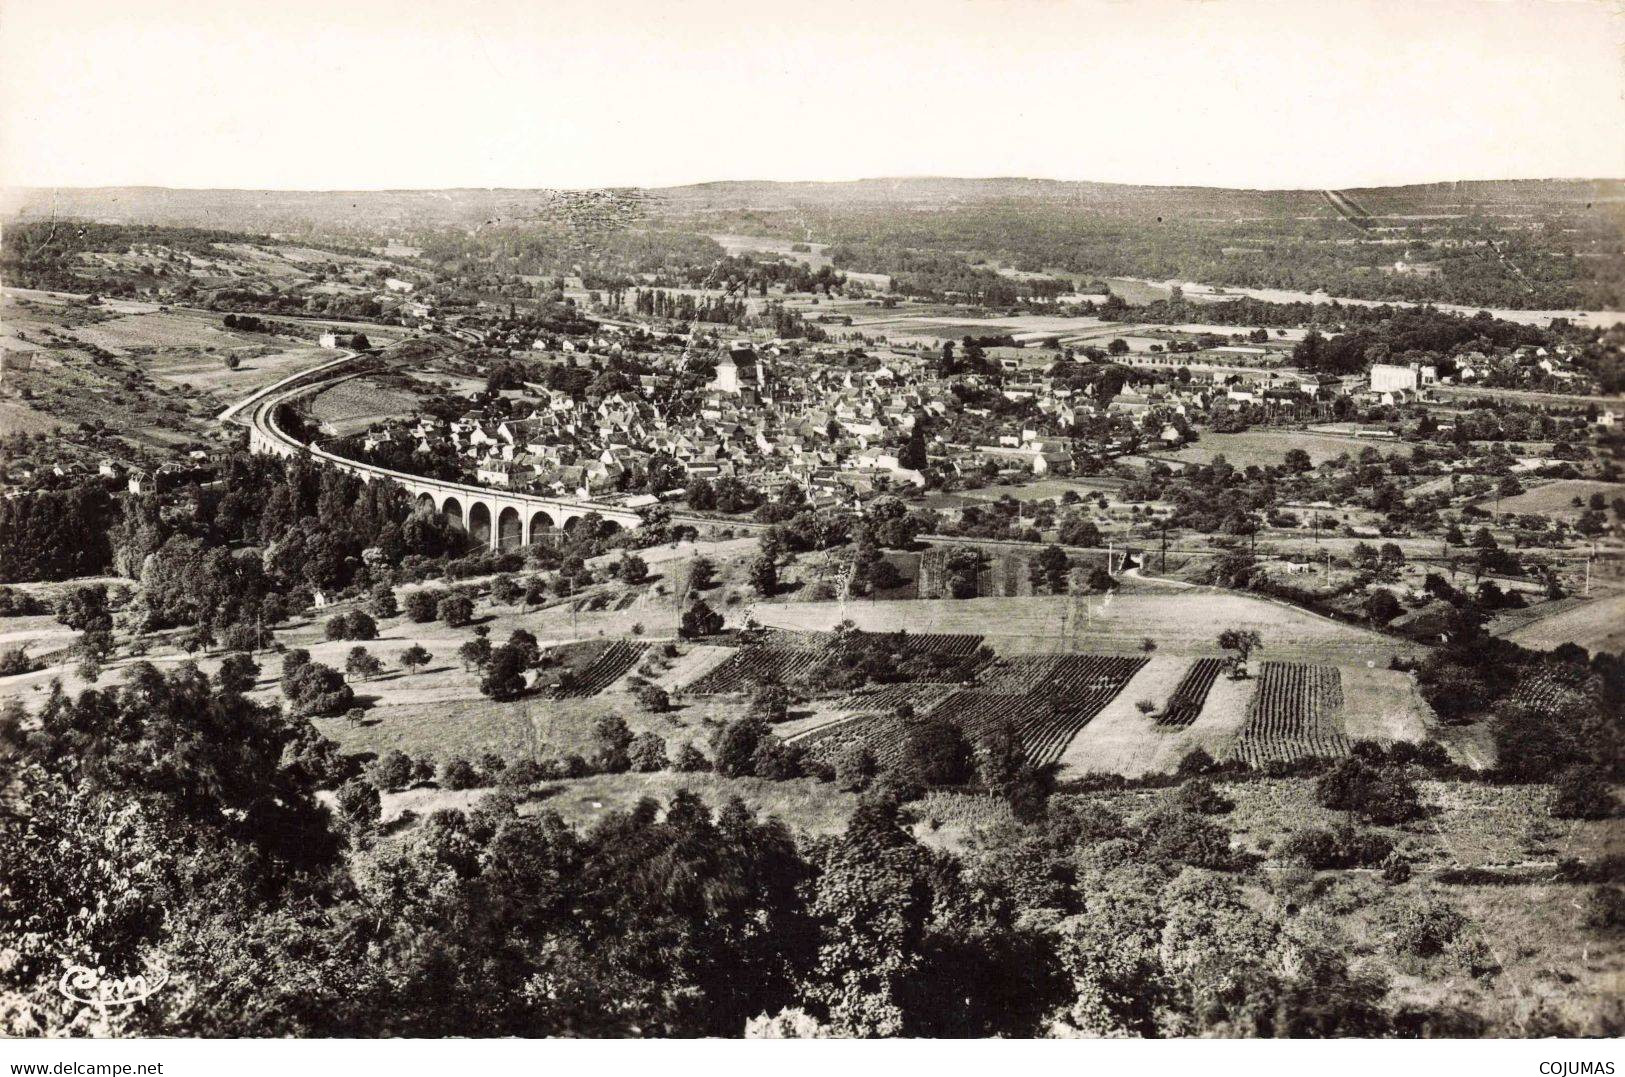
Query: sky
column 362, row 94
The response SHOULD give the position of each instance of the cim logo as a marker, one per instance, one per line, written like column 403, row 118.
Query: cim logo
column 110, row 995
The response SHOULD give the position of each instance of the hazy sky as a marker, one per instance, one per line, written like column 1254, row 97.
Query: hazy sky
column 566, row 93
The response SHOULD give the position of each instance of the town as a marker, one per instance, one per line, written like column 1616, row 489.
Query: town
column 600, row 620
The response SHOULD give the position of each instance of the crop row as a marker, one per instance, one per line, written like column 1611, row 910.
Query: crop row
column 1186, row 702
column 1046, row 702
column 788, row 656
column 610, row 666
column 885, row 698
column 1294, row 714
column 761, row 664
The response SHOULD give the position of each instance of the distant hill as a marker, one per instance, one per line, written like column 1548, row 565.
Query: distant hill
column 386, row 211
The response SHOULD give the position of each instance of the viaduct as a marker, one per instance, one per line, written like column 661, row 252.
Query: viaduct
column 500, row 519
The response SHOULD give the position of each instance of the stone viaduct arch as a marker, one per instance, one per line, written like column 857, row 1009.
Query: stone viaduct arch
column 510, row 529
column 495, row 518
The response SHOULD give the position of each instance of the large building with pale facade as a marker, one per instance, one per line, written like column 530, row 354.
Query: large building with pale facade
column 1409, row 377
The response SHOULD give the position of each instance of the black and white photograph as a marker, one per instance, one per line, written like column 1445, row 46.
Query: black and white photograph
column 536, row 521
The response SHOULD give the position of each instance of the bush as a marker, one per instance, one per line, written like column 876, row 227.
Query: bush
column 357, row 804
column 391, row 771
column 733, row 747
column 690, row 760
column 457, row 611
column 1201, row 796
column 1469, row 953
column 935, row 753
column 383, row 602
column 354, row 625
column 776, row 760
column 1396, row 869
column 15, row 603
column 1605, row 908
column 699, row 620
column 1196, row 761
column 1174, row 836
column 647, row 753
column 316, row 690
column 1582, row 793
column 1345, row 847
column 1427, row 928
column 856, row 768
column 1384, row 796
column 459, row 774
column 523, row 774
column 237, row 673
column 15, row 661
column 653, row 698
column 423, row 606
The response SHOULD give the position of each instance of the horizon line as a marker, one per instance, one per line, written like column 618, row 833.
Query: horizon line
column 22, row 187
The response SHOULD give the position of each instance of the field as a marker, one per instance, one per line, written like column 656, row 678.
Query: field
column 1597, row 626
column 1263, row 447
column 1295, row 714
column 1186, row 701
column 1185, row 622
column 1045, row 701
column 793, row 658
column 356, row 403
column 1122, row 739
column 1555, row 500
column 157, row 330
column 119, row 365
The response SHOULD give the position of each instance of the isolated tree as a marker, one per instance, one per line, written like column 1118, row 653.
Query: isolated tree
column 382, row 602
column 475, row 653
column 504, row 675
column 647, row 753
column 1243, row 641
column 614, row 744
column 391, row 771
column 1381, row 606
column 362, row 663
column 523, row 641
column 455, row 610
column 632, row 568
column 237, row 673
column 770, row 702
column 699, row 620
column 702, row 574
column 415, row 658
column 357, row 804
column 423, row 606
column 764, row 576
column 1049, row 569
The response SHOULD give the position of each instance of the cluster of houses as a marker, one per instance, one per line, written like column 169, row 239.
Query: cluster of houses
column 786, row 413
